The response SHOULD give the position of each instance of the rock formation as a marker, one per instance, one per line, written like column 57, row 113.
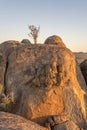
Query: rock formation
column 80, row 78
column 83, row 67
column 68, row 125
column 14, row 122
column 43, row 81
column 25, row 41
column 55, row 40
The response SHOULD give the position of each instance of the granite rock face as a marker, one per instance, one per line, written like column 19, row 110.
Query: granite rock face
column 13, row 122
column 43, row 81
column 68, row 125
column 83, row 67
column 55, row 40
column 26, row 41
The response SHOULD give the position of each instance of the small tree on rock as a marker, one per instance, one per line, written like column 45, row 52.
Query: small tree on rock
column 34, row 32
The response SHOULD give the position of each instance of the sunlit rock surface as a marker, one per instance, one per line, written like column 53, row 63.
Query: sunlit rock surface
column 43, row 80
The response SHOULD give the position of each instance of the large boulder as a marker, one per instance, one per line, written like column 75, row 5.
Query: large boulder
column 6, row 49
column 55, row 40
column 13, row 122
column 80, row 77
column 68, row 125
column 61, row 122
column 83, row 67
column 42, row 80
column 26, row 41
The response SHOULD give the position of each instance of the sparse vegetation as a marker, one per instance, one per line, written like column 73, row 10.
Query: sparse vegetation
column 1, row 88
column 34, row 32
column 8, row 101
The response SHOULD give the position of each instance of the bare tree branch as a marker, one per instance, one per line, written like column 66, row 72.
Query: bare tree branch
column 34, row 32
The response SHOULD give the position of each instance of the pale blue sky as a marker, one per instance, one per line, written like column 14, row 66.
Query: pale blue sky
column 65, row 18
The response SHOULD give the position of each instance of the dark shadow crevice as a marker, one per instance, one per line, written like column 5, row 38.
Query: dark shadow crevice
column 5, row 88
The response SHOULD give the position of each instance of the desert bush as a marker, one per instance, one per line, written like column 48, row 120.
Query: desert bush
column 8, row 101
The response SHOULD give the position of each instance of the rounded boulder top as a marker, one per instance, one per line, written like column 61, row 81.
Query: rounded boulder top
column 25, row 41
column 55, row 40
